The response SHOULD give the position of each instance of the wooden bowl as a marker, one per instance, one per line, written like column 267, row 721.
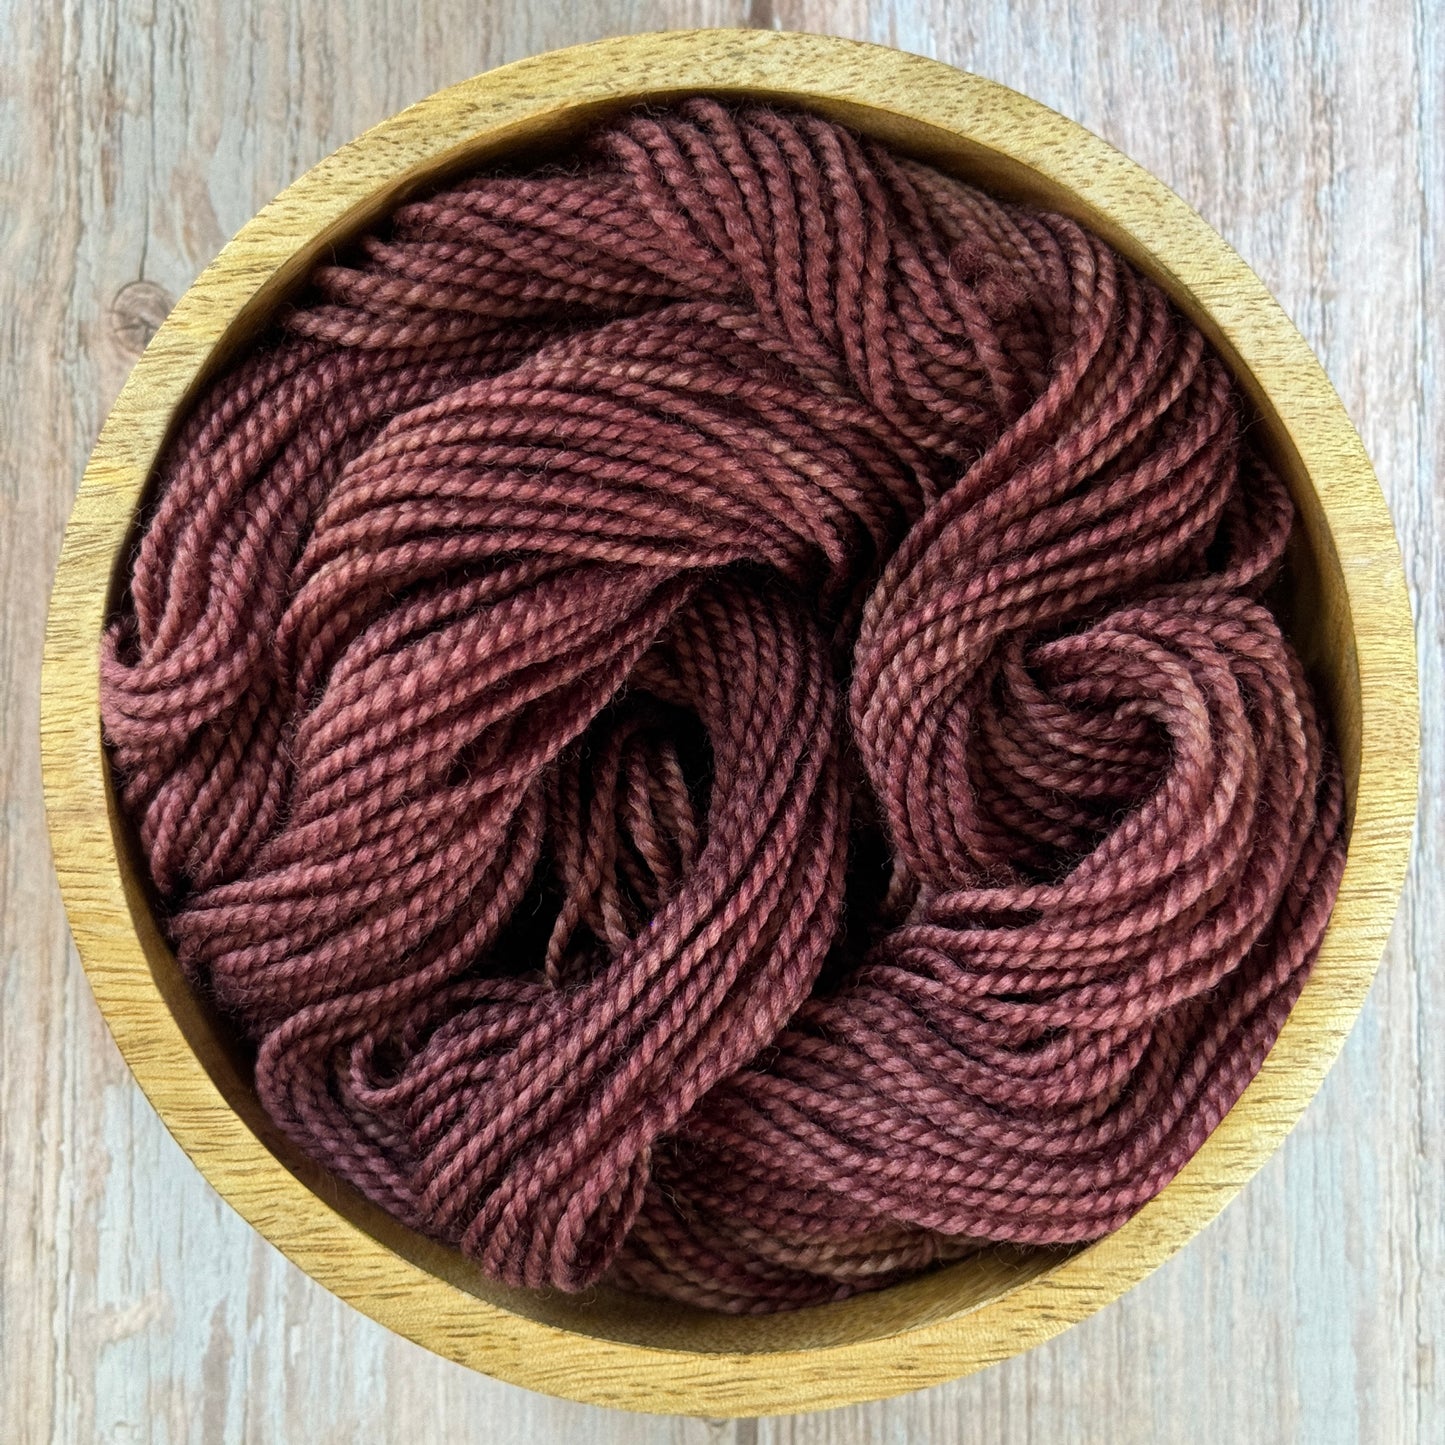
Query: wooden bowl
column 1352, row 626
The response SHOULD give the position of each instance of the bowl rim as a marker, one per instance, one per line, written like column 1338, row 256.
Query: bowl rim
column 925, row 1331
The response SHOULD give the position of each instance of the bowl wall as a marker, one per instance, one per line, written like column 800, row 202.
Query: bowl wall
column 1351, row 623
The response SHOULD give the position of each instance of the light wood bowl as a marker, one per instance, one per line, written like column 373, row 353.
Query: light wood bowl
column 1352, row 626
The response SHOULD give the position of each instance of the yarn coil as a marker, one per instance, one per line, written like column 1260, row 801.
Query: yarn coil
column 713, row 716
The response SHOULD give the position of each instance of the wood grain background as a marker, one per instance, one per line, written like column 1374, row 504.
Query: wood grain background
column 134, row 139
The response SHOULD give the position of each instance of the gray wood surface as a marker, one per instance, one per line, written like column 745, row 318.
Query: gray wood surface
column 135, row 138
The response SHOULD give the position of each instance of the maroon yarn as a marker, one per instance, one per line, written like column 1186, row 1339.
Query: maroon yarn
column 711, row 716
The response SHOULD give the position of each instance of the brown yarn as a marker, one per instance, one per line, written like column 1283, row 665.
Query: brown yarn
column 711, row 716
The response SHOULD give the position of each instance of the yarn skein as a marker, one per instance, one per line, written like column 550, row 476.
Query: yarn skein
column 712, row 715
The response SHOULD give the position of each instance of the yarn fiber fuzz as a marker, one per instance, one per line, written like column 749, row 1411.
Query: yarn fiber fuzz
column 712, row 715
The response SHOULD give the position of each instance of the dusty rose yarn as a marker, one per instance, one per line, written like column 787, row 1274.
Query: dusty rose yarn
column 711, row 715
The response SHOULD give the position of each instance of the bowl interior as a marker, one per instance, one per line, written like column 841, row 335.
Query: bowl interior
column 1317, row 617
